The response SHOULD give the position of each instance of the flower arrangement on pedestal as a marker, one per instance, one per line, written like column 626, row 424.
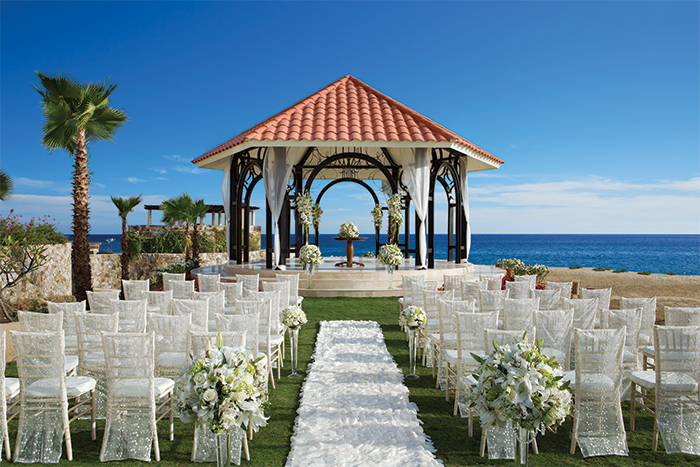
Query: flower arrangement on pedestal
column 395, row 206
column 293, row 316
column 412, row 316
column 517, row 382
column 305, row 207
column 311, row 255
column 316, row 213
column 348, row 230
column 377, row 217
column 390, row 255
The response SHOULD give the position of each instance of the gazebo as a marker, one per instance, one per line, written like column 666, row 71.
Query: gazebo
column 347, row 132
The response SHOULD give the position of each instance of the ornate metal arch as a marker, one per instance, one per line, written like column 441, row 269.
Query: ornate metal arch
column 352, row 155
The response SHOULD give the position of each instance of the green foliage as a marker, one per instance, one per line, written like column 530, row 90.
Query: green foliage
column 368, row 254
column 519, row 268
column 170, row 241
column 7, row 186
column 601, row 269
column 38, row 231
column 574, row 267
column 254, row 238
column 644, row 273
column 671, row 274
column 620, row 270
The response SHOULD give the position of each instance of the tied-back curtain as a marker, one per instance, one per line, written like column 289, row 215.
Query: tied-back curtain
column 277, row 168
column 226, row 197
column 463, row 176
column 416, row 169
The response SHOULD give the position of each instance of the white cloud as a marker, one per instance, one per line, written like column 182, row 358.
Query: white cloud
column 40, row 184
column 134, row 180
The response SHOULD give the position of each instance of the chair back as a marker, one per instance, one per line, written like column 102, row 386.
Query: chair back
column 585, row 311
column 250, row 323
column 90, row 326
column 470, row 335
column 31, row 321
column 565, row 287
column 519, row 313
column 250, row 283
column 554, row 329
column 529, row 278
column 170, row 332
column 431, row 306
column 407, row 282
column 217, row 300
column 133, row 289
column 454, row 282
column 208, row 282
column 603, row 296
column 283, row 288
column 68, row 309
column 549, row 299
column 41, row 366
column 491, row 300
column 129, row 356
column 274, row 320
column 99, row 302
column 648, row 306
column 502, row 337
column 519, row 289
column 199, row 309
column 681, row 316
column 470, row 289
column 599, row 354
column 182, row 289
column 132, row 314
column 4, row 433
column 158, row 302
column 171, row 276
column 631, row 319
column 493, row 281
column 233, row 292
column 199, row 340
column 293, row 280
column 419, row 288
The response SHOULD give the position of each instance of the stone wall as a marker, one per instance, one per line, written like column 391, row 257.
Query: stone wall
column 51, row 279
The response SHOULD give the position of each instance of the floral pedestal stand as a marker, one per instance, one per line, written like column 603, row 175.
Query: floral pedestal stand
column 412, row 346
column 310, row 269
column 522, row 445
column 228, row 447
column 390, row 272
column 349, row 252
column 294, row 350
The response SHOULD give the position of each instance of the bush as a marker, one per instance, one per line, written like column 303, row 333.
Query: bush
column 644, row 273
column 36, row 232
column 519, row 268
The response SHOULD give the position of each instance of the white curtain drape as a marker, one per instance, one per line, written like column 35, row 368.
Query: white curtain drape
column 226, row 197
column 416, row 170
column 463, row 178
column 277, row 168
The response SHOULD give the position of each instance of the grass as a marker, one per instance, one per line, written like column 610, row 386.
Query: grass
column 644, row 273
column 601, row 269
column 270, row 445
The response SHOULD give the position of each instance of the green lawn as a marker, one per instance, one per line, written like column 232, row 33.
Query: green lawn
column 270, row 445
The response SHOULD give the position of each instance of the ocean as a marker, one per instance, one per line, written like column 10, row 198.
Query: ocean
column 678, row 254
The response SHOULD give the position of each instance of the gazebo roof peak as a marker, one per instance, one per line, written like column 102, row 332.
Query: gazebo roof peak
column 347, row 112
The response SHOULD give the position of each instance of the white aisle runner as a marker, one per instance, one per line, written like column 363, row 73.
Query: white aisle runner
column 354, row 408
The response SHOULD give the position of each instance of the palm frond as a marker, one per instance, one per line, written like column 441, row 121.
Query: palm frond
column 175, row 209
column 7, row 186
column 104, row 123
column 60, row 132
column 59, row 87
column 126, row 205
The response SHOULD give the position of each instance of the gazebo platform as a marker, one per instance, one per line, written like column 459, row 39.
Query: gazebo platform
column 372, row 280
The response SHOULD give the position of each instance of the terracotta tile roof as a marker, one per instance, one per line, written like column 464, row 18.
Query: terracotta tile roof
column 348, row 110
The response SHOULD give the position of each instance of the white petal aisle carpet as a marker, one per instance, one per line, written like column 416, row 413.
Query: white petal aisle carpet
column 354, row 408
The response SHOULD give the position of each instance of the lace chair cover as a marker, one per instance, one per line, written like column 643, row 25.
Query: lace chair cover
column 681, row 316
column 199, row 309
column 470, row 290
column 454, row 282
column 133, row 289
column 233, row 292
column 446, row 335
column 491, row 300
column 493, row 282
column 31, row 321
column 407, row 282
column 460, row 364
column 283, row 289
column 585, row 313
column 549, row 299
column 217, row 301
column 182, row 290
column 519, row 290
column 249, row 323
column 172, row 345
column 3, row 401
column 171, row 276
column 71, row 335
column 554, row 329
column 648, row 306
column 269, row 341
column 519, row 313
column 132, row 392
column 100, row 302
column 432, row 310
column 632, row 358
column 565, row 287
column 417, row 289
column 208, row 282
column 200, row 340
column 529, row 278
column 158, row 302
column 603, row 296
column 132, row 314
column 44, row 393
column 677, row 375
column 598, row 426
column 293, row 280
column 250, row 283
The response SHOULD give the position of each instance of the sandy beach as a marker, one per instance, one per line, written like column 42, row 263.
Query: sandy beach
column 669, row 290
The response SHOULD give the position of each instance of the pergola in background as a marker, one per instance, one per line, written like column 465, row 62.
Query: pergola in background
column 347, row 132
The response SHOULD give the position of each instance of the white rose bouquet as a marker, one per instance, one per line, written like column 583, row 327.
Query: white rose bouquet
column 293, row 316
column 377, row 216
column 412, row 316
column 223, row 388
column 310, row 254
column 348, row 230
column 395, row 210
column 517, row 382
column 304, row 206
column 390, row 255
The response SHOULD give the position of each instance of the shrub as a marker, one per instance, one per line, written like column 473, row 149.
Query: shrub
column 601, row 269
column 644, row 273
column 519, row 268
column 574, row 267
column 38, row 231
column 620, row 270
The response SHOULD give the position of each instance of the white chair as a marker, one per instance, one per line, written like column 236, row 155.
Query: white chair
column 681, row 316
column 470, row 290
column 233, row 292
column 30, row 321
column 519, row 313
column 293, row 280
column 549, row 299
column 585, row 313
column 554, row 328
column 217, row 302
column 100, row 302
column 446, row 335
column 529, row 278
column 565, row 287
column 208, row 282
column 9, row 388
column 69, row 309
column 200, row 340
column 132, row 289
column 603, row 296
column 431, row 307
column 283, row 288
column 598, row 426
column 45, row 413
column 407, row 282
column 631, row 319
column 171, row 276
column 249, row 323
column 417, row 290
column 249, row 282
column 269, row 342
column 182, row 290
column 172, row 343
column 493, row 282
column 136, row 399
column 132, row 314
column 453, row 282
column 519, row 289
column 648, row 306
column 158, row 301
column 199, row 309
column 90, row 327
column 491, row 300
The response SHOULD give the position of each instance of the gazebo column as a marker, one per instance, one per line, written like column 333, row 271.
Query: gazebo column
column 233, row 221
column 431, row 232
column 298, row 230
column 269, row 231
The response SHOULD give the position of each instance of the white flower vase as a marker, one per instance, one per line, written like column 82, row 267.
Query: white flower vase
column 412, row 347
column 390, row 272
column 310, row 269
column 294, row 350
column 522, row 445
column 228, row 447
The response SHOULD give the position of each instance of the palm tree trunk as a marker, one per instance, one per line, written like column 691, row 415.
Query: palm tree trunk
column 188, row 249
column 80, row 253
column 195, row 241
column 125, row 252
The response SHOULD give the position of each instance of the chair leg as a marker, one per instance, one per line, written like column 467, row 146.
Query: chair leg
column 8, row 453
column 482, row 447
column 655, row 440
column 156, row 448
column 93, row 415
column 572, row 450
column 245, row 448
column 69, row 446
column 535, row 449
column 633, row 403
column 170, row 419
column 272, row 374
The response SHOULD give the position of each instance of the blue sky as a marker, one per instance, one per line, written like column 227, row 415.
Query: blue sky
column 593, row 106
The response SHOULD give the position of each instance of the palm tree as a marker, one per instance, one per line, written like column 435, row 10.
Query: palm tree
column 125, row 206
column 7, row 187
column 176, row 210
column 76, row 114
column 196, row 211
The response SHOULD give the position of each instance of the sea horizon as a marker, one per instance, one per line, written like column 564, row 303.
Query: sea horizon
column 656, row 253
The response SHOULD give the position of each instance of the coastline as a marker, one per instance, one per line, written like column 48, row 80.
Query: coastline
column 670, row 290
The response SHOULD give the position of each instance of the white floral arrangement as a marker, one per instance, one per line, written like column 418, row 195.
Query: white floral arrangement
column 412, row 316
column 518, row 382
column 223, row 388
column 377, row 216
column 293, row 316
column 395, row 210
column 316, row 212
column 390, row 255
column 348, row 230
column 304, row 207
column 310, row 254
